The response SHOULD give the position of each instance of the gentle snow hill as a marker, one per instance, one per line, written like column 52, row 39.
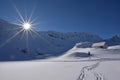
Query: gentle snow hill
column 95, row 53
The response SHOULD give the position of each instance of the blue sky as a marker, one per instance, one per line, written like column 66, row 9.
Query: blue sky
column 101, row 17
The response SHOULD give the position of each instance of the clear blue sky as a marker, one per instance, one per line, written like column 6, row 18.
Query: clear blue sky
column 101, row 17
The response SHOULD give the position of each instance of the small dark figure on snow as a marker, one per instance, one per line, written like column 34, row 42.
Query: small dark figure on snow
column 89, row 53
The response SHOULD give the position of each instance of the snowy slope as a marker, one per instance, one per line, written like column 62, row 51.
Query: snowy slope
column 103, row 65
column 96, row 53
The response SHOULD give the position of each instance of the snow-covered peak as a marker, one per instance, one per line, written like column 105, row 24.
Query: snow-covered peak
column 116, row 36
column 115, row 40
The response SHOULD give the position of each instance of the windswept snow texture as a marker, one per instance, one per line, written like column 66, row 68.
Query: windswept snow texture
column 103, row 65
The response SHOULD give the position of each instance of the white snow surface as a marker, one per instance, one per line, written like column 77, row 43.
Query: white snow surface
column 99, row 44
column 114, row 47
column 102, row 65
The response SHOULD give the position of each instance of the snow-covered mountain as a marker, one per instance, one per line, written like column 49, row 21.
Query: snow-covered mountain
column 115, row 40
column 14, row 45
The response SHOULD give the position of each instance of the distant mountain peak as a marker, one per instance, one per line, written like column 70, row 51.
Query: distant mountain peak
column 115, row 40
column 116, row 36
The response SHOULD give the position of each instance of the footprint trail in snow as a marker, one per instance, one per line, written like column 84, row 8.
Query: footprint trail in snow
column 88, row 73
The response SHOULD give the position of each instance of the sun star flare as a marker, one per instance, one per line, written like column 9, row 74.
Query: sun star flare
column 26, row 26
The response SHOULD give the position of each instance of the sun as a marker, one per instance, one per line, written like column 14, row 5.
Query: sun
column 26, row 26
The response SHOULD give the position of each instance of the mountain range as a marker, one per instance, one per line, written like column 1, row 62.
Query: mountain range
column 16, row 45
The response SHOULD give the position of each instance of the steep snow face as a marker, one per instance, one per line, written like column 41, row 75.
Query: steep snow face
column 43, row 43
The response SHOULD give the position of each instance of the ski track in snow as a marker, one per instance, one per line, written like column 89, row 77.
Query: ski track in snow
column 87, row 72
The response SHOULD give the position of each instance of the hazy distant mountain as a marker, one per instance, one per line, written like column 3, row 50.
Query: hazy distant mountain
column 115, row 40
